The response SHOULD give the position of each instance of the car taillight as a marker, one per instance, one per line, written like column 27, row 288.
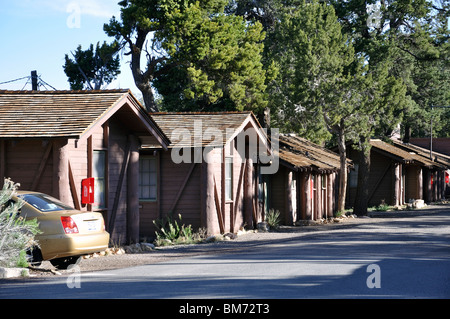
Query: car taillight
column 69, row 225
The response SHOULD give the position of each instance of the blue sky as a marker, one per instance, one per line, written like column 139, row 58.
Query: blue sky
column 36, row 34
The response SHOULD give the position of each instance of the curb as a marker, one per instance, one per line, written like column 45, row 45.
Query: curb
column 14, row 272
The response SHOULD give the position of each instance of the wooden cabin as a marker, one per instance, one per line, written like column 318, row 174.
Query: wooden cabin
column 65, row 143
column 438, row 187
column 209, row 174
column 397, row 175
column 441, row 145
column 306, row 185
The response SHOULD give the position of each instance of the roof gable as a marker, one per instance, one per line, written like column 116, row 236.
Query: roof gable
column 191, row 129
column 66, row 114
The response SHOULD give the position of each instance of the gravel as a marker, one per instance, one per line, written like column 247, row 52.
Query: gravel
column 247, row 240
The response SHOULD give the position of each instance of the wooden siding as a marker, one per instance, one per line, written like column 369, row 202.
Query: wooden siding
column 117, row 155
column 23, row 159
column 182, row 190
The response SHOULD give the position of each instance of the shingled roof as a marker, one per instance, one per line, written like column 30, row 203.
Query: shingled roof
column 302, row 154
column 187, row 129
column 68, row 114
column 403, row 154
column 439, row 159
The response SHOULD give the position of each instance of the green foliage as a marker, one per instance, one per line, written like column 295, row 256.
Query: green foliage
column 273, row 218
column 170, row 231
column 16, row 233
column 219, row 64
column 92, row 68
column 382, row 208
column 198, row 57
column 314, row 83
column 411, row 36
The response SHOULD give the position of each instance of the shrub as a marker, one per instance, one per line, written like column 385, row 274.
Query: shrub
column 273, row 218
column 16, row 233
column 171, row 232
column 382, row 208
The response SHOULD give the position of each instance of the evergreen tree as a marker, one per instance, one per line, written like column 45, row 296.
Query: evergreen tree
column 198, row 58
column 91, row 68
column 320, row 79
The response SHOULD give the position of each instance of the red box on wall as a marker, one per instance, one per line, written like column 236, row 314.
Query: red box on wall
column 87, row 190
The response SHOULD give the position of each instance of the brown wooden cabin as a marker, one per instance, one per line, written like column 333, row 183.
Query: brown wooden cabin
column 398, row 174
column 306, row 185
column 215, row 185
column 51, row 140
column 440, row 187
column 441, row 145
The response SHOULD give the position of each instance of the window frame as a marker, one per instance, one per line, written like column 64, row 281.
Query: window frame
column 99, row 180
column 156, row 177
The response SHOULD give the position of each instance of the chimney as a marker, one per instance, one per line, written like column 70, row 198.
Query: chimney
column 34, row 81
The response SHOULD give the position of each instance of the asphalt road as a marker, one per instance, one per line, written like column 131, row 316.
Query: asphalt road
column 394, row 258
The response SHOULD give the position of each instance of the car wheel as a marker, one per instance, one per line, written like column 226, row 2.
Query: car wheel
column 65, row 262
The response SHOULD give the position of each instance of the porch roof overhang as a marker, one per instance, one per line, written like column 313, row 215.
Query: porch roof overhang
column 404, row 154
column 299, row 154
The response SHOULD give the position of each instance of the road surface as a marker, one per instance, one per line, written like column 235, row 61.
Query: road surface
column 394, row 258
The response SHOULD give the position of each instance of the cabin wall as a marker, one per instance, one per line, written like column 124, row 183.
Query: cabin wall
column 278, row 192
column 178, row 192
column 29, row 162
column 414, row 183
column 117, row 188
column 306, row 195
column 197, row 191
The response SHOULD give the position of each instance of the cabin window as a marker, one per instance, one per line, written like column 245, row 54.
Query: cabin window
column 99, row 174
column 147, row 178
column 228, row 178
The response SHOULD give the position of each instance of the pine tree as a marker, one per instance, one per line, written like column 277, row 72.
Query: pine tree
column 320, row 79
column 198, row 58
column 92, row 68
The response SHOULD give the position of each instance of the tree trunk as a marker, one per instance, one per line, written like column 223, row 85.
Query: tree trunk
column 142, row 79
column 149, row 98
column 362, row 191
column 343, row 171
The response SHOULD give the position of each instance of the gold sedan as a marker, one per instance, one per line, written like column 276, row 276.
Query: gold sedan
column 66, row 233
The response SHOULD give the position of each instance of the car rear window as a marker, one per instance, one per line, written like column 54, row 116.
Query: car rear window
column 44, row 202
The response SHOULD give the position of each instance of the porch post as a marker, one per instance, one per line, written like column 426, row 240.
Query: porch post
column 208, row 205
column 397, row 179
column 61, row 184
column 133, row 191
column 249, row 193
column 420, row 184
column 289, row 199
column 307, row 195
